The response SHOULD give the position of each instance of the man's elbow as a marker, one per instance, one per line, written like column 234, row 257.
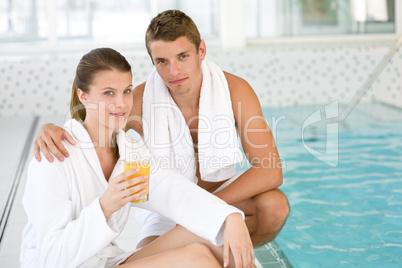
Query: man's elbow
column 279, row 179
column 276, row 178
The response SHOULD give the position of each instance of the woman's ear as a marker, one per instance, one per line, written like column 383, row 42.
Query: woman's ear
column 82, row 96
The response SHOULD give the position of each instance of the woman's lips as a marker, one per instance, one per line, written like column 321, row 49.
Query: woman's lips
column 119, row 115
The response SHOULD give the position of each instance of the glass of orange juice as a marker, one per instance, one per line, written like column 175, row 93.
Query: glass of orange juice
column 144, row 167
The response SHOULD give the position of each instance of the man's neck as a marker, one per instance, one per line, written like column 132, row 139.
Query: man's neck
column 190, row 100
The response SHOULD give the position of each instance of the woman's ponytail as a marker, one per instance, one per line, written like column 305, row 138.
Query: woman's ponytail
column 77, row 109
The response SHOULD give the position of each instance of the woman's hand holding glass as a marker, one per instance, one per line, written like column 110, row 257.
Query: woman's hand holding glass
column 121, row 191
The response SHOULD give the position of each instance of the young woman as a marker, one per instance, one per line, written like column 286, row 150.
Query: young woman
column 77, row 208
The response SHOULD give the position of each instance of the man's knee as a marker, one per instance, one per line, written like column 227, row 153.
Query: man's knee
column 274, row 204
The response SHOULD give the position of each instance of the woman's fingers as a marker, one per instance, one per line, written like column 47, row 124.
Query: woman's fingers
column 136, row 187
column 135, row 194
column 252, row 256
column 246, row 258
column 243, row 258
column 123, row 176
column 134, row 182
column 238, row 258
column 226, row 255
column 122, row 190
column 132, row 192
column 121, row 183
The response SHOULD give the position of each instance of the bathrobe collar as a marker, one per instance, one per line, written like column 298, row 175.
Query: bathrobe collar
column 80, row 134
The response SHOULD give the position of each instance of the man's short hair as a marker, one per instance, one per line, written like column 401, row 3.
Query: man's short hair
column 170, row 25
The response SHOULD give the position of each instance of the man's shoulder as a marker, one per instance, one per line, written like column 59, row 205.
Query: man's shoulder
column 233, row 79
column 238, row 87
column 135, row 121
column 138, row 91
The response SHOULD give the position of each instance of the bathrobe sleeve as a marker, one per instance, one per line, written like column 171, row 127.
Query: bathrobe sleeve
column 174, row 196
column 62, row 240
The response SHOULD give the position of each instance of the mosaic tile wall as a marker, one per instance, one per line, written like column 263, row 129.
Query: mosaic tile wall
column 281, row 75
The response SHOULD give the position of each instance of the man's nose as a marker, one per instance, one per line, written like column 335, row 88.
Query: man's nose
column 174, row 68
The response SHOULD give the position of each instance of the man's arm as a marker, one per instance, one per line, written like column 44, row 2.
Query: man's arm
column 258, row 144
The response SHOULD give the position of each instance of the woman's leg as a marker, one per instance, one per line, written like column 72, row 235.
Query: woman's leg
column 192, row 255
column 176, row 238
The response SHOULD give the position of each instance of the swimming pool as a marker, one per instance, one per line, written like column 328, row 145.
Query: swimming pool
column 348, row 213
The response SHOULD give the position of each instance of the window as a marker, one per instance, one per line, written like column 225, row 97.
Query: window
column 118, row 21
column 280, row 18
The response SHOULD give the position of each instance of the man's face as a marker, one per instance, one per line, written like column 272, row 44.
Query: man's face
column 178, row 64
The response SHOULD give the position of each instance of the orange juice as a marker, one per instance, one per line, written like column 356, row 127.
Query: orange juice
column 144, row 171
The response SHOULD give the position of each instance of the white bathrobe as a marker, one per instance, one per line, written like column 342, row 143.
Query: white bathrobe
column 66, row 226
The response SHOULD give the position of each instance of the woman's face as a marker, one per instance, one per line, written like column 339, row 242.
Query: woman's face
column 109, row 100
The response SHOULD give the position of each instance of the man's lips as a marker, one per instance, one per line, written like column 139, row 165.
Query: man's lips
column 178, row 81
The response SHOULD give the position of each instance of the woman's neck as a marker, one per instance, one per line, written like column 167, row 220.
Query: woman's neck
column 101, row 138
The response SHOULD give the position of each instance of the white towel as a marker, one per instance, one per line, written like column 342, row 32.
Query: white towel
column 168, row 137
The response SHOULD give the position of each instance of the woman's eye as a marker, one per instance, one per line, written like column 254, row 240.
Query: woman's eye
column 108, row 93
column 127, row 91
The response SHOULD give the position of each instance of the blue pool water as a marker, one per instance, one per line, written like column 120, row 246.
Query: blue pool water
column 346, row 212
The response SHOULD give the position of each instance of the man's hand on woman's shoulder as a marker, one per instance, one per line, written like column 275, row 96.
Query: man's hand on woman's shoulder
column 49, row 138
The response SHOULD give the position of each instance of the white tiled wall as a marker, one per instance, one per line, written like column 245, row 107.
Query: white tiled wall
column 281, row 74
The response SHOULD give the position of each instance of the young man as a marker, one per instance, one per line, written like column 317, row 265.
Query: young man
column 186, row 89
